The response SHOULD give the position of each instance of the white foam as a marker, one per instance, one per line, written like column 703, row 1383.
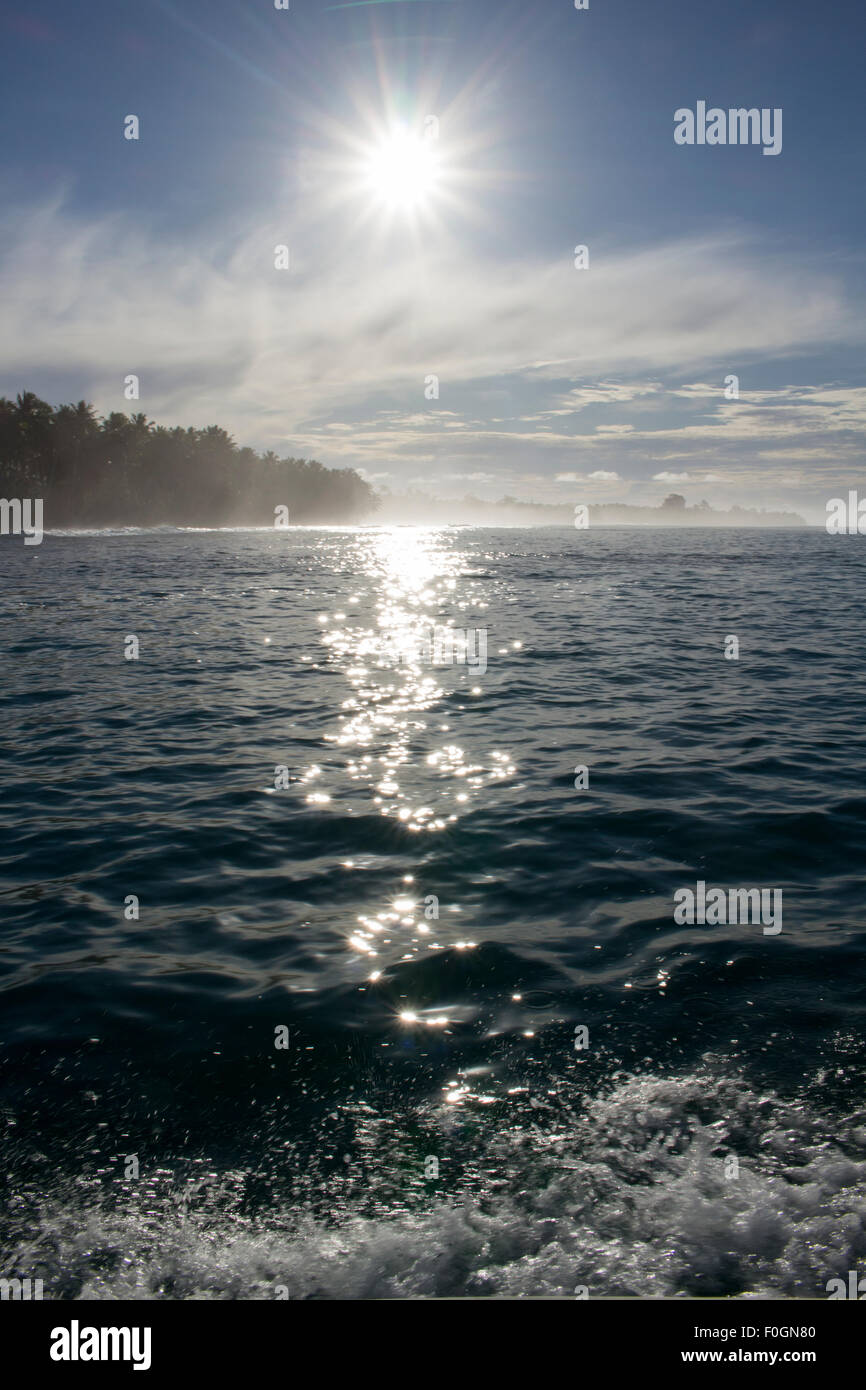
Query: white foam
column 626, row 1195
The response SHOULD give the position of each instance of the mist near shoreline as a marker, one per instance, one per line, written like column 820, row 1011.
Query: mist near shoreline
column 417, row 509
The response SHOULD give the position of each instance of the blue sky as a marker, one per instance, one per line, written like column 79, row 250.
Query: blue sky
column 156, row 256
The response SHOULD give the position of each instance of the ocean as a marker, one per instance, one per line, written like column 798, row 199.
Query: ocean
column 339, row 958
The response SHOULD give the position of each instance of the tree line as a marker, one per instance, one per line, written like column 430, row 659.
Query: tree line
column 125, row 470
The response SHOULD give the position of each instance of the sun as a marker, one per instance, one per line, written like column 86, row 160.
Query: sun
column 403, row 170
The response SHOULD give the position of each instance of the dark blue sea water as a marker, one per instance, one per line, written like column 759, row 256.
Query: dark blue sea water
column 431, row 1128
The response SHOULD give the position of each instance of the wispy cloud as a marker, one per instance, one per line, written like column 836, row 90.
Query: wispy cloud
column 334, row 356
column 220, row 327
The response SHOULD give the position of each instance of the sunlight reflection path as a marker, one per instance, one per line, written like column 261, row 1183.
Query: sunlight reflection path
column 400, row 671
column 411, row 642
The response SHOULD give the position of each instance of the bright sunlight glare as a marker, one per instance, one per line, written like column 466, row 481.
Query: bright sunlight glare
column 402, row 171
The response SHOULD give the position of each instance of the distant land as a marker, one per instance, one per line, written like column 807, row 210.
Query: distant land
column 125, row 470
column 418, row 507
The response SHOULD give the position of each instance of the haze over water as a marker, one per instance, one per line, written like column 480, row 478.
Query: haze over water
column 413, row 1036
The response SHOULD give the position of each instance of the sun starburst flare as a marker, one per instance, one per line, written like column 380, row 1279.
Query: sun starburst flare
column 402, row 172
